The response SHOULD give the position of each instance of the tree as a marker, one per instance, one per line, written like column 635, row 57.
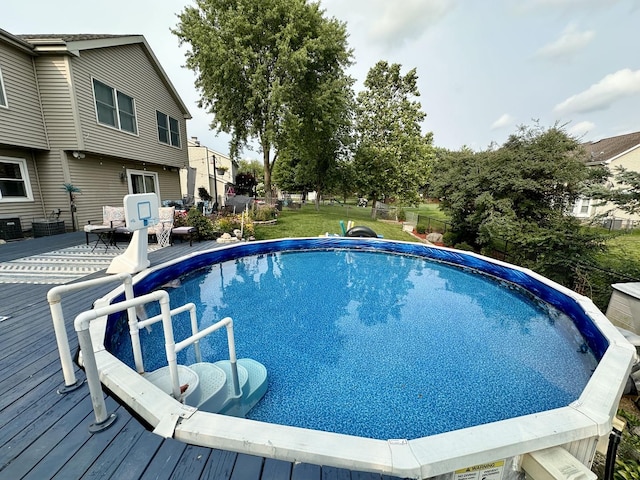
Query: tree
column 254, row 61
column 392, row 156
column 515, row 200
column 625, row 195
column 323, row 137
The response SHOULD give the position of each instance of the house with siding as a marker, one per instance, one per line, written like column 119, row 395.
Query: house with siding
column 620, row 151
column 210, row 169
column 94, row 111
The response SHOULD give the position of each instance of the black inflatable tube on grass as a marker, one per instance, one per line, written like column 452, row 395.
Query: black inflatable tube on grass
column 361, row 231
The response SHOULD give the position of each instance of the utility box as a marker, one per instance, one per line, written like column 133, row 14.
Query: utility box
column 554, row 464
column 624, row 306
column 10, row 228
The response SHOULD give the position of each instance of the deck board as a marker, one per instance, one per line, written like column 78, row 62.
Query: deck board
column 45, row 435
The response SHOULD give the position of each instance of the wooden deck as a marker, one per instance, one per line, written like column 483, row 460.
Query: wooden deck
column 44, row 435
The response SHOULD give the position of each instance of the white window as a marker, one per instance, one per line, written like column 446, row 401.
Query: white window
column 14, row 180
column 582, row 207
column 143, row 182
column 114, row 108
column 3, row 94
column 168, row 129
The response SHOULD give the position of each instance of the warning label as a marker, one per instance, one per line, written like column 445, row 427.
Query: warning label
column 485, row 471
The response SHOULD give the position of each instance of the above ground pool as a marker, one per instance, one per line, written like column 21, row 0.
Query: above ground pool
column 379, row 345
column 384, row 356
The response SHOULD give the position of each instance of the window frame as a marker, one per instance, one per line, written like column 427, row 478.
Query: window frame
column 171, row 134
column 24, row 171
column 4, row 102
column 117, row 108
column 143, row 173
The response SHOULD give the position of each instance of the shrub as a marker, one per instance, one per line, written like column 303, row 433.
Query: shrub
column 229, row 223
column 421, row 229
column 464, row 246
column 264, row 213
column 205, row 227
column 401, row 215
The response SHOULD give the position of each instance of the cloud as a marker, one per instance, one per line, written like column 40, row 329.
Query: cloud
column 505, row 120
column 600, row 96
column 405, row 20
column 565, row 4
column 581, row 129
column 570, row 42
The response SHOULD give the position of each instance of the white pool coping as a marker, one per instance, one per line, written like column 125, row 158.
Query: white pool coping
column 585, row 420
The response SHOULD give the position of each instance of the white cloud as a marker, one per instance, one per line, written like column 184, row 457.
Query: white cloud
column 581, row 129
column 613, row 87
column 565, row 4
column 505, row 120
column 405, row 20
column 570, row 42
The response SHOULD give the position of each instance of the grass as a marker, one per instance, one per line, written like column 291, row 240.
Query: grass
column 309, row 222
column 626, row 245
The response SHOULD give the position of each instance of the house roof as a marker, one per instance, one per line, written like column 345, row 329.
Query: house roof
column 603, row 151
column 16, row 42
column 73, row 44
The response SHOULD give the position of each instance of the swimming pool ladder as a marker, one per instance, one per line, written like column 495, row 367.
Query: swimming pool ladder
column 172, row 348
column 81, row 325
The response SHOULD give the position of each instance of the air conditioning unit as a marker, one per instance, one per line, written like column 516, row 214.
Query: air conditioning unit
column 10, row 228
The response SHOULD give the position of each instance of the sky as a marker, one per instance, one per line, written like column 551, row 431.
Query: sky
column 485, row 67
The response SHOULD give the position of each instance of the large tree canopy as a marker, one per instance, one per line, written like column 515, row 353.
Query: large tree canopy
column 516, row 198
column 392, row 155
column 255, row 60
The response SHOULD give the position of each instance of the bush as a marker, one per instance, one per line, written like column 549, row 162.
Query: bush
column 421, row 229
column 401, row 215
column 229, row 223
column 264, row 214
column 205, row 227
column 464, row 246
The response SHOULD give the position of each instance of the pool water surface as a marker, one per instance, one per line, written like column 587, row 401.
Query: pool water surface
column 381, row 345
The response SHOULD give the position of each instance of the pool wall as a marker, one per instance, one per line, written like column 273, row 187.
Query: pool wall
column 576, row 427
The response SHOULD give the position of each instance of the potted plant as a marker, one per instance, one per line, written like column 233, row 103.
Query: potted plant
column 221, row 169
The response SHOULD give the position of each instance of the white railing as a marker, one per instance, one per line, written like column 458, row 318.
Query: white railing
column 172, row 348
column 54, row 297
column 83, row 320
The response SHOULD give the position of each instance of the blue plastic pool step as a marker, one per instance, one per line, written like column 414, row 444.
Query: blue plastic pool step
column 209, row 386
column 187, row 377
column 252, row 391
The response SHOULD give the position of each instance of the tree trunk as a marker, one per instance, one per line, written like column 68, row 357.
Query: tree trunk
column 267, row 176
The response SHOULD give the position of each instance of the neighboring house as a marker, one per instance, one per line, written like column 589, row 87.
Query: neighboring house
column 94, row 111
column 209, row 169
column 621, row 151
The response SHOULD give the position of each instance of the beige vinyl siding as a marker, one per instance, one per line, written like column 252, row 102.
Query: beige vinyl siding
column 127, row 69
column 629, row 161
column 28, row 210
column 21, row 124
column 56, row 94
column 99, row 180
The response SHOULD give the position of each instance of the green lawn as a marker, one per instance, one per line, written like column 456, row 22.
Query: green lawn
column 308, row 222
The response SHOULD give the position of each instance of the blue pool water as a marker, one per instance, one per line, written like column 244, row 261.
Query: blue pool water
column 381, row 345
